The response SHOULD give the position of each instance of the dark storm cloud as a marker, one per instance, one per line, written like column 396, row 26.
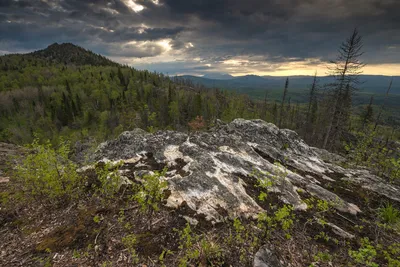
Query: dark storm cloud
column 311, row 28
column 128, row 34
column 277, row 31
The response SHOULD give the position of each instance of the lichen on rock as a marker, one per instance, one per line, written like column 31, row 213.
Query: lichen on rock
column 211, row 172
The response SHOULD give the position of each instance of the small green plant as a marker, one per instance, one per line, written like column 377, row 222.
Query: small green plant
column 266, row 180
column 239, row 230
column 374, row 155
column 150, row 193
column 163, row 255
column 283, row 217
column 389, row 214
column 323, row 257
column 392, row 255
column 48, row 175
column 323, row 205
column 198, row 249
column 110, row 179
column 244, row 239
column 130, row 242
column 121, row 216
column 322, row 235
column 365, row 255
column 97, row 219
column 285, row 146
column 76, row 254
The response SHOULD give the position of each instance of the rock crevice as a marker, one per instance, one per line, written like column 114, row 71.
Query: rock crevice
column 212, row 171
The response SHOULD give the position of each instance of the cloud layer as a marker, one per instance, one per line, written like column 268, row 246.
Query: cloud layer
column 196, row 37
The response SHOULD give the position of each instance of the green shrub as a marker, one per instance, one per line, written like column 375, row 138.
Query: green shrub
column 245, row 239
column 365, row 255
column 110, row 179
column 374, row 155
column 266, row 180
column 198, row 250
column 130, row 241
column 283, row 217
column 150, row 193
column 389, row 214
column 48, row 175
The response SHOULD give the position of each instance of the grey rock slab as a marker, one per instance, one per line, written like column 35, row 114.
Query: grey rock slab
column 211, row 172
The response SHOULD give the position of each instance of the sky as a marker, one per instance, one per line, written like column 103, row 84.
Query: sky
column 238, row 37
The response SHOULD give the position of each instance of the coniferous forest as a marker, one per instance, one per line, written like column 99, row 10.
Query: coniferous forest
column 67, row 91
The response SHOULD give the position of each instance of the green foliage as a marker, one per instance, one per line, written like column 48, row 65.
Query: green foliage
column 130, row 241
column 244, row 239
column 109, row 177
column 101, row 100
column 283, row 217
column 266, row 180
column 323, row 257
column 151, row 192
column 97, row 219
column 392, row 255
column 365, row 255
column 163, row 255
column 48, row 175
column 239, row 230
column 374, row 155
column 389, row 214
column 198, row 249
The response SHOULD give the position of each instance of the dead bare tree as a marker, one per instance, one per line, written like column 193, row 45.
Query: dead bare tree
column 346, row 70
column 283, row 102
column 383, row 105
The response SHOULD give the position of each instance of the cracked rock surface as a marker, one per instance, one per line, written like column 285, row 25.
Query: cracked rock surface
column 211, row 172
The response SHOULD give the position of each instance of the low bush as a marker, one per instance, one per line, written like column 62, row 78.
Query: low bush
column 47, row 175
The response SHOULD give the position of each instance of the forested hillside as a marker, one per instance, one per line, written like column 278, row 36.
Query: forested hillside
column 65, row 90
column 50, row 94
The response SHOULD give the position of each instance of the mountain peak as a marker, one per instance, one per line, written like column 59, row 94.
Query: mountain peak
column 69, row 53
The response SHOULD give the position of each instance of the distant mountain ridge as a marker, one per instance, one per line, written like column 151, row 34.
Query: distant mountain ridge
column 218, row 76
column 375, row 84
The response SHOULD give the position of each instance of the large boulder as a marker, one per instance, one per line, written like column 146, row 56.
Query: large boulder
column 211, row 172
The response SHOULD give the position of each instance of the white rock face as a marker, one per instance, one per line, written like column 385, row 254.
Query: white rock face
column 211, row 172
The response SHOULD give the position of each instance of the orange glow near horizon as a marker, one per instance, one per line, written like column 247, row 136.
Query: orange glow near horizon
column 376, row 69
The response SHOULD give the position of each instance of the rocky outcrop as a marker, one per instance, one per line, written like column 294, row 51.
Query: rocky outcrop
column 211, row 172
column 266, row 258
column 9, row 154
